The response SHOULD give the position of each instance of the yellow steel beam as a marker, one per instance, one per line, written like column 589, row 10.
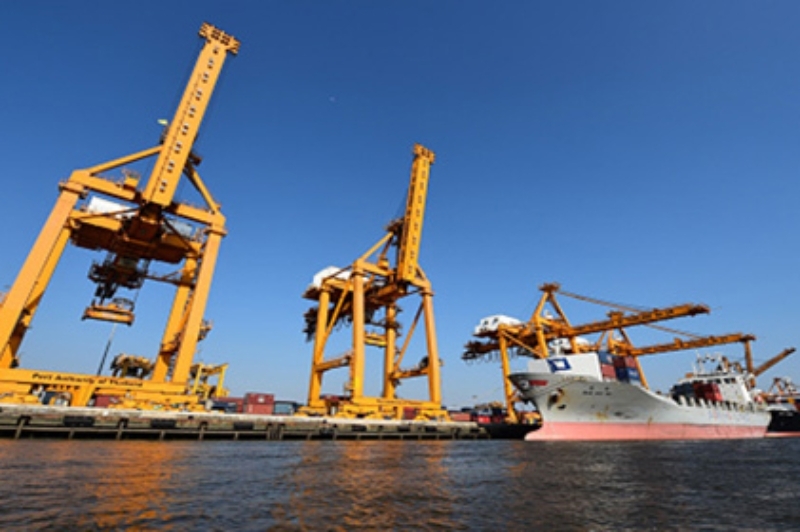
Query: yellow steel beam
column 679, row 344
column 772, row 361
column 183, row 128
column 176, row 320
column 408, row 251
column 11, row 349
column 191, row 333
column 389, row 353
column 508, row 388
column 320, row 338
column 434, row 371
column 358, row 363
column 34, row 270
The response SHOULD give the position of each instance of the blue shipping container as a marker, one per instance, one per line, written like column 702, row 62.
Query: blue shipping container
column 605, row 357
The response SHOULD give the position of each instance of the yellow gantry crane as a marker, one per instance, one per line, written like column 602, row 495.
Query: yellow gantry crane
column 134, row 224
column 366, row 295
column 549, row 325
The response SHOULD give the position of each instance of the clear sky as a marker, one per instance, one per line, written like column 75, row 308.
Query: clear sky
column 640, row 152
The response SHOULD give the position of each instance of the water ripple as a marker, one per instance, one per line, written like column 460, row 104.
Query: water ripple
column 431, row 486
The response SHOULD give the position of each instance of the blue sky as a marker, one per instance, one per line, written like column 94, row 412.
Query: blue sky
column 644, row 153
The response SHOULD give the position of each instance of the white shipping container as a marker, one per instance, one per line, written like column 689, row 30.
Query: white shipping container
column 328, row 272
column 490, row 323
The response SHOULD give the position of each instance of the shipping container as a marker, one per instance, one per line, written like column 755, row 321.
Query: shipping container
column 409, row 412
column 608, row 370
column 456, row 415
column 619, row 362
column 285, row 408
column 105, row 401
column 605, row 357
column 223, row 406
column 630, row 362
column 252, row 398
column 232, row 405
column 622, row 374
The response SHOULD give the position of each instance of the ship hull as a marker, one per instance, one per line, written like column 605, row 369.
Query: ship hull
column 784, row 424
column 583, row 409
column 558, row 431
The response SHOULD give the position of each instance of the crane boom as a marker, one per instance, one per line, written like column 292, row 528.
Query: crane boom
column 552, row 328
column 618, row 320
column 408, row 250
column 769, row 363
column 681, row 345
column 182, row 130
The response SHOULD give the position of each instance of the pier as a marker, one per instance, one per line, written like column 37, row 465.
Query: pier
column 32, row 421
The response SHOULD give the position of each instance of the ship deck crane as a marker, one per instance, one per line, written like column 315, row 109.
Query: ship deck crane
column 367, row 295
column 757, row 371
column 549, row 322
column 135, row 225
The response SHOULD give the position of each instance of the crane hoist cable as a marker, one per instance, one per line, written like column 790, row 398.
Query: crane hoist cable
column 601, row 302
column 630, row 308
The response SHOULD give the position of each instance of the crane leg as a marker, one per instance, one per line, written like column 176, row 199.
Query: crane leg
column 389, row 354
column 177, row 318
column 315, row 387
column 357, row 364
column 434, row 384
column 191, row 333
column 40, row 259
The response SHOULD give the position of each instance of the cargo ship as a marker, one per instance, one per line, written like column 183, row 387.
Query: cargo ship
column 783, row 403
column 599, row 396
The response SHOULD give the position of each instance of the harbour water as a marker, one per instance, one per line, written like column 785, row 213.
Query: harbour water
column 395, row 485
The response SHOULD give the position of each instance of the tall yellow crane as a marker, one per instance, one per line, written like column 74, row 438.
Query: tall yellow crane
column 134, row 225
column 366, row 295
column 548, row 323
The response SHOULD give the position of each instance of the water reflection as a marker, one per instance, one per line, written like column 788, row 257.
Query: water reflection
column 352, row 485
column 87, row 485
column 130, row 485
column 370, row 486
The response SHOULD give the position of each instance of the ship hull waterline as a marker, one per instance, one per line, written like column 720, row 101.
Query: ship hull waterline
column 582, row 431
